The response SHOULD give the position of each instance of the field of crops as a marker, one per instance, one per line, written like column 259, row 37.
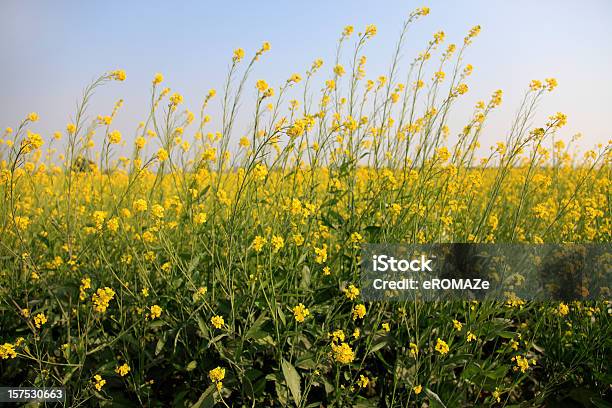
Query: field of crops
column 193, row 265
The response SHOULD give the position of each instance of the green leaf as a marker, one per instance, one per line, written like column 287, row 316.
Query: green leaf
column 435, row 399
column 202, row 327
column 281, row 315
column 207, row 399
column 256, row 331
column 305, row 282
column 160, row 345
column 497, row 373
column 292, row 378
column 193, row 264
column 379, row 344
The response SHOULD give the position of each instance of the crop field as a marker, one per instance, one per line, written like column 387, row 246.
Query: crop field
column 191, row 265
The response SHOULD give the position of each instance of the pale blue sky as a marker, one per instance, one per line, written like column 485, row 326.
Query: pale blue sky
column 51, row 50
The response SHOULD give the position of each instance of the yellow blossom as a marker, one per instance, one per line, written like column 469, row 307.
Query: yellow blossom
column 300, row 312
column 441, row 346
column 123, row 369
column 217, row 321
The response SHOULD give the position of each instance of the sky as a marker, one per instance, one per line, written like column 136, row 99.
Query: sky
column 52, row 50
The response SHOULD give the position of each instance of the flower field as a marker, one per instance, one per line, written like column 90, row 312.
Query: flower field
column 194, row 265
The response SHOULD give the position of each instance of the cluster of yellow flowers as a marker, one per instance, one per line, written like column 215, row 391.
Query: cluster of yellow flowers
column 217, row 375
column 7, row 350
column 300, row 313
column 441, row 346
column 101, row 299
column 123, row 369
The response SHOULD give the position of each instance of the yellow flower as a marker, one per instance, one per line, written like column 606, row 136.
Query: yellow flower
column 200, row 293
column 200, row 218
column 157, row 211
column 140, row 142
column 162, row 154
column 22, row 222
column 551, row 83
column 557, row 120
column 351, row 292
column 39, row 320
column 118, row 75
column 441, row 346
column 470, row 337
column 99, row 382
column 123, row 370
column 217, row 375
column 521, row 363
column 261, row 85
column 385, row 327
column 363, row 381
column 535, row 85
column 33, row 117
column 563, row 309
column 496, row 395
column 320, row 254
column 457, row 325
column 217, row 321
column 277, row 243
column 158, row 79
column 176, row 99
column 417, row 389
column 343, row 353
column 300, row 312
column 462, row 89
column 140, row 205
column 238, row 54
column 359, row 311
column 298, row 239
column 114, row 137
column 156, row 311
column 260, row 171
column 337, row 335
column 339, row 70
column 71, row 128
column 244, row 142
column 414, row 350
column 356, row 237
column 258, row 243
column 370, row 30
column 7, row 350
column 102, row 298
column 269, row 92
column 439, row 76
